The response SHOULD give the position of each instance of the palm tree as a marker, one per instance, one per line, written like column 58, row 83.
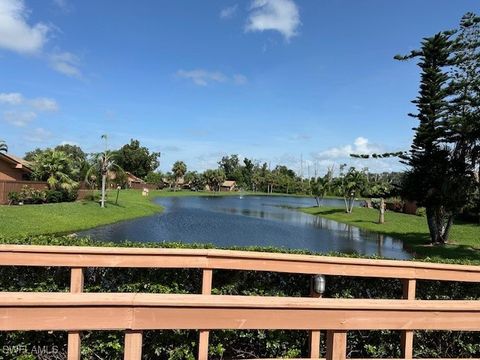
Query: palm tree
column 3, row 146
column 103, row 163
column 56, row 168
column 214, row 178
column 179, row 170
column 321, row 186
column 350, row 186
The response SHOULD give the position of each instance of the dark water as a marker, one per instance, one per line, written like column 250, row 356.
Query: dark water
column 249, row 221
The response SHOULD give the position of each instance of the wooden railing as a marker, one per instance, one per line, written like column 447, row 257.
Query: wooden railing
column 133, row 313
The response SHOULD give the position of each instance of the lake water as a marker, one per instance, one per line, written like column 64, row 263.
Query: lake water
column 249, row 221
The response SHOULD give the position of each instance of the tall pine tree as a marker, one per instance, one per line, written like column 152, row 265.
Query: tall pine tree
column 428, row 180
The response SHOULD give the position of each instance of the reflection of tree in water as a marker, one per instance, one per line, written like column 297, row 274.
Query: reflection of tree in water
column 380, row 241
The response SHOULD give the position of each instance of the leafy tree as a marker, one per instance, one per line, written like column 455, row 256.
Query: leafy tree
column 179, row 169
column 196, row 180
column 155, row 177
column 56, row 168
column 3, row 146
column 30, row 155
column 78, row 156
column 214, row 178
column 247, row 173
column 230, row 166
column 137, row 159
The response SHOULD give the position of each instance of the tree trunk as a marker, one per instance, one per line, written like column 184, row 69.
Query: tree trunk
column 317, row 200
column 446, row 232
column 104, row 184
column 381, row 219
column 432, row 224
column 346, row 204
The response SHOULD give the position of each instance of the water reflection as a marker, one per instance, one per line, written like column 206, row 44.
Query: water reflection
column 250, row 221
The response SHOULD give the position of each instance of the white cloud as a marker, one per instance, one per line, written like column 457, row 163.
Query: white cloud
column 38, row 135
column 11, row 98
column 203, row 77
column 276, row 15
column 361, row 145
column 39, row 104
column 19, row 118
column 228, row 12
column 66, row 63
column 16, row 34
column 44, row 104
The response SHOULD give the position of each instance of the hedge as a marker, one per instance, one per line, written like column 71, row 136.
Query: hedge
column 226, row 344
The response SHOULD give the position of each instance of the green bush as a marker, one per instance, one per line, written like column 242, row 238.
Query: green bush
column 29, row 195
column 174, row 345
column 421, row 211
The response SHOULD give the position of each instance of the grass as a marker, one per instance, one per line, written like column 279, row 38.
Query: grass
column 412, row 229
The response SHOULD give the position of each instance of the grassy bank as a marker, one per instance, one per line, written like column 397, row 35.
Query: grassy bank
column 413, row 230
column 69, row 217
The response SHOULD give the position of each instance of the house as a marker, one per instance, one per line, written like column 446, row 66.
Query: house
column 228, row 185
column 13, row 168
column 124, row 178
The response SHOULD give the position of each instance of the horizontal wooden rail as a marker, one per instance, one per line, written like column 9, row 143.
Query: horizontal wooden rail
column 121, row 311
column 24, row 255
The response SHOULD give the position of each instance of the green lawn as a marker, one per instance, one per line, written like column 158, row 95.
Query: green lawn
column 413, row 230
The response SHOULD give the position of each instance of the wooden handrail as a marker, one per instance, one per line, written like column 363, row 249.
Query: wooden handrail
column 26, row 255
column 120, row 311
column 77, row 311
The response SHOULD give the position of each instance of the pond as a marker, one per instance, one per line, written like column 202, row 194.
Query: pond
column 249, row 221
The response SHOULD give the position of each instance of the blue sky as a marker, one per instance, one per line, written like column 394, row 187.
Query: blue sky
column 272, row 80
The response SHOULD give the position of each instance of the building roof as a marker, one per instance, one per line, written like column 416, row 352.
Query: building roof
column 134, row 178
column 229, row 183
column 18, row 162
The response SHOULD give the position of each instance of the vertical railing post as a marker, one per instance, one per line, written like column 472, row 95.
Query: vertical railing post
column 76, row 286
column 204, row 334
column 409, row 290
column 336, row 345
column 133, row 345
column 315, row 335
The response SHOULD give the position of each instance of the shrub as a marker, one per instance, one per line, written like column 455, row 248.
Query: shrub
column 54, row 196
column 421, row 211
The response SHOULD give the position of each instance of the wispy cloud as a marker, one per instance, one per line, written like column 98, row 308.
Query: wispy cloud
column 15, row 99
column 203, row 77
column 66, row 63
column 19, row 118
column 275, row 15
column 44, row 104
column 11, row 98
column 228, row 12
column 38, row 135
column 63, row 5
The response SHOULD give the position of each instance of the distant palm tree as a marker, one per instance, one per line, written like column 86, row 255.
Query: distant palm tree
column 3, row 146
column 103, row 163
column 179, row 170
column 56, row 168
